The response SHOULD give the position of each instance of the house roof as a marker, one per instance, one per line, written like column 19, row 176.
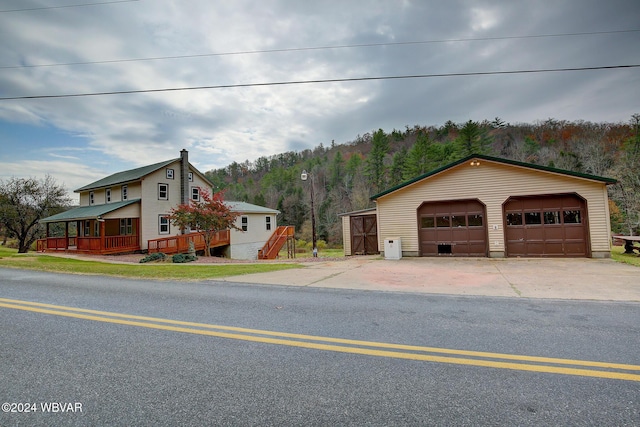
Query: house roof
column 126, row 176
column 606, row 181
column 88, row 212
column 244, row 207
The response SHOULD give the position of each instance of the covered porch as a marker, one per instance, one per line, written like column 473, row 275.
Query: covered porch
column 104, row 229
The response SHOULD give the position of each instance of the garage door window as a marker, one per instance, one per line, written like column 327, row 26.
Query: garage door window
column 572, row 217
column 475, row 220
column 427, row 222
column 532, row 218
column 552, row 217
column 458, row 221
column 514, row 218
column 443, row 221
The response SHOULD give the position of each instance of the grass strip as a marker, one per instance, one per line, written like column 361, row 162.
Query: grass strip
column 34, row 261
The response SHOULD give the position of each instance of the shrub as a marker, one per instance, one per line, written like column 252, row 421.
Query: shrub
column 181, row 258
column 157, row 256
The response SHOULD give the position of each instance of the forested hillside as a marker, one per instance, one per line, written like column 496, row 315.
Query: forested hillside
column 344, row 176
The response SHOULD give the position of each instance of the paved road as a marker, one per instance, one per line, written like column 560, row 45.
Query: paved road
column 214, row 353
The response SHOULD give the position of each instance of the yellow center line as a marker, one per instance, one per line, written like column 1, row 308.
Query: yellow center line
column 380, row 349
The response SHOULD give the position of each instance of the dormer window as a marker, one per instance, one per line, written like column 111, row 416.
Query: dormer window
column 125, row 194
column 107, row 195
column 169, row 173
column 92, row 199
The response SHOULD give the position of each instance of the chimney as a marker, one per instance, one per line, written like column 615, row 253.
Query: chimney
column 184, row 177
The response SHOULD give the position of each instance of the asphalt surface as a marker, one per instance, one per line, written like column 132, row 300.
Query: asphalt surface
column 573, row 278
column 130, row 374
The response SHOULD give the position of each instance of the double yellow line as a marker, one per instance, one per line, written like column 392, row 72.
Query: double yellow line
column 551, row 365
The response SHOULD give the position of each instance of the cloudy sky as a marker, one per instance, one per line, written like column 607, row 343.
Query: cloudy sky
column 68, row 47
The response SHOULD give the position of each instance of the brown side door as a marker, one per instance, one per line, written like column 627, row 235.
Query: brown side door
column 550, row 226
column 455, row 228
column 364, row 235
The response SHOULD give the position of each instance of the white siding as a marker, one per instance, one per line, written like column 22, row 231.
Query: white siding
column 492, row 183
column 245, row 244
column 346, row 235
column 152, row 206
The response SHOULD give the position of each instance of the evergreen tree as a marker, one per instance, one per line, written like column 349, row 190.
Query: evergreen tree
column 375, row 168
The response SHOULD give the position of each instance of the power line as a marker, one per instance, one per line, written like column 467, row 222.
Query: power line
column 298, row 82
column 69, row 5
column 300, row 49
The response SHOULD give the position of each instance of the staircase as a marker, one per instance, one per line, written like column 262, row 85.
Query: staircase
column 283, row 234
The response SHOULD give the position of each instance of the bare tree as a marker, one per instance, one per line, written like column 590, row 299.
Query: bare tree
column 24, row 202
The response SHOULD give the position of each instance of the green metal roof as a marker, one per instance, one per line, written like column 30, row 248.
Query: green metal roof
column 497, row 160
column 126, row 176
column 244, row 207
column 88, row 212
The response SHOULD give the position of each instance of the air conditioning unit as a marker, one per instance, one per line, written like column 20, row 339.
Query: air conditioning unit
column 393, row 248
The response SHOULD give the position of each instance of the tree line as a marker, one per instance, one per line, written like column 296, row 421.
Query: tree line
column 345, row 176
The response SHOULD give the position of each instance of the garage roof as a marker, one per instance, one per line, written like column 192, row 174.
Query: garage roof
column 606, row 181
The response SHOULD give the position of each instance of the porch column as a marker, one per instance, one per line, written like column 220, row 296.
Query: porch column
column 102, row 234
column 66, row 235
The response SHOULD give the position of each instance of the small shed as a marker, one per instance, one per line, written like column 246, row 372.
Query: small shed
column 360, row 232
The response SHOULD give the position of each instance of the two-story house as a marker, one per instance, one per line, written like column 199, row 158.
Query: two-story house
column 129, row 212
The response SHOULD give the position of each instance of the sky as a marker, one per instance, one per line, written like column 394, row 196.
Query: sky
column 94, row 48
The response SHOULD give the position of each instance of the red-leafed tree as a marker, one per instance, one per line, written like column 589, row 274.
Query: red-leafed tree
column 208, row 216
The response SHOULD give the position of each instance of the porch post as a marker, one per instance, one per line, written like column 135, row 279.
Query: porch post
column 102, row 234
column 66, row 235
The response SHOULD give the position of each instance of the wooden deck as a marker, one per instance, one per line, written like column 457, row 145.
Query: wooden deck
column 180, row 243
column 90, row 245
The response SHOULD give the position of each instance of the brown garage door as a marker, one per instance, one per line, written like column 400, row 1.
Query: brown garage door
column 364, row 235
column 553, row 225
column 455, row 227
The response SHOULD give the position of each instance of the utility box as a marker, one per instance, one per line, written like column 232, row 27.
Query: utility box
column 393, row 248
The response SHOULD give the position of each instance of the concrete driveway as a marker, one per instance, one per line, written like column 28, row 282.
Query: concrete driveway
column 588, row 279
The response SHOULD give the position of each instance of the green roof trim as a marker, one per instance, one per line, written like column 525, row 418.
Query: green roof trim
column 606, row 181
column 87, row 212
column 126, row 176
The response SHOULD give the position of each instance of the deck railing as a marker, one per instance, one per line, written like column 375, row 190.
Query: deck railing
column 97, row 245
column 180, row 243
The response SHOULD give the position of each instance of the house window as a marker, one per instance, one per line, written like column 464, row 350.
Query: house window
column 91, row 198
column 268, row 222
column 163, row 224
column 163, row 191
column 169, row 173
column 126, row 226
column 107, row 195
column 96, row 228
column 190, row 176
column 124, row 192
column 195, row 194
column 245, row 223
column 87, row 228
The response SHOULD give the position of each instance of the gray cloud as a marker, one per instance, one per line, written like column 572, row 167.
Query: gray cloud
column 221, row 126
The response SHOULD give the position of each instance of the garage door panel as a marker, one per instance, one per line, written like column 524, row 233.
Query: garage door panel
column 452, row 228
column 554, row 248
column 551, row 225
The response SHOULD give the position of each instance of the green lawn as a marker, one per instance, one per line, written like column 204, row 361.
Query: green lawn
column 617, row 253
column 35, row 261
